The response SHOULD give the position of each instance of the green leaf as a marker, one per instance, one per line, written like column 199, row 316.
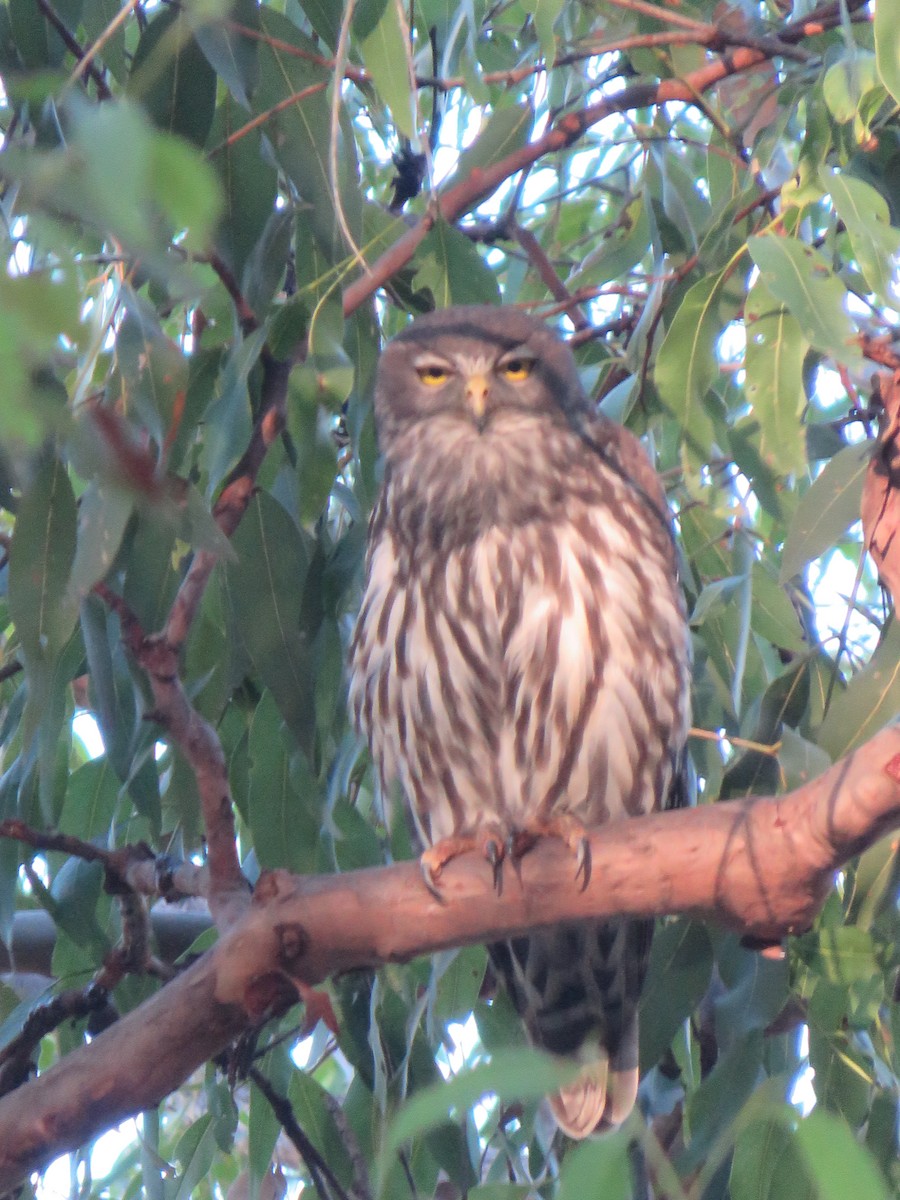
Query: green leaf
column 232, row 54
column 520, row 1074
column 265, row 586
column 459, row 984
column 801, row 278
column 720, row 1097
column 299, row 131
column 501, row 1191
column 866, row 216
column 870, row 700
column 263, row 1130
column 618, row 252
column 826, row 510
column 506, row 130
column 35, row 309
column 800, row 760
column 91, row 799
column 840, row 1166
column 768, row 1165
column 185, row 187
column 680, row 964
column 847, row 81
column 313, row 1110
column 249, row 186
column 284, row 833
column 103, row 513
column 773, row 615
column 600, row 1167
column 385, row 52
column 841, row 954
column 99, row 17
column 544, row 14
column 194, row 1153
column 773, row 360
column 172, row 77
column 453, row 270
column 887, row 48
column 686, row 364
column 40, row 563
column 227, row 418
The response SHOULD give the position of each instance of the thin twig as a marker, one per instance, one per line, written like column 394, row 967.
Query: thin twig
column 319, row 1171
column 94, row 49
column 74, row 48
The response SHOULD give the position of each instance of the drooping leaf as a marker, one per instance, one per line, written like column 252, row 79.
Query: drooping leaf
column 768, row 1165
column 453, row 270
column 836, row 1161
column 40, row 563
column 384, row 51
column 865, row 213
column 284, row 832
column 826, row 510
column 871, row 699
column 172, row 77
column 265, row 586
column 887, row 49
column 800, row 277
column 506, row 130
column 686, row 363
column 774, row 358
column 680, row 965
column 511, row 1074
column 598, row 1167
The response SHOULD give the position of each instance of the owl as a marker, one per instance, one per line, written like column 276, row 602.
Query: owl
column 520, row 662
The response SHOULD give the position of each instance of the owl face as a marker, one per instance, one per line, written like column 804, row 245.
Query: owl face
column 474, row 369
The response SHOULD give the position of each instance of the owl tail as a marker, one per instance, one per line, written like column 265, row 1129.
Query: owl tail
column 602, row 1095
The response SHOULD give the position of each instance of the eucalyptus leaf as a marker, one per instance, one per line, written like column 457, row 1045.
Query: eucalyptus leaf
column 826, row 510
column 800, row 277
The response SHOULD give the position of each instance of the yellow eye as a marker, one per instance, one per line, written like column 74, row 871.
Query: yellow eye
column 433, row 376
column 516, row 369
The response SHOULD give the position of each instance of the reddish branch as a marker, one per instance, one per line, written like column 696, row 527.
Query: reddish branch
column 227, row 894
column 134, row 867
column 762, row 866
column 482, row 182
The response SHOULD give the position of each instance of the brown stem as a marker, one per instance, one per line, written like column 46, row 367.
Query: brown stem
column 318, row 1168
column 74, row 48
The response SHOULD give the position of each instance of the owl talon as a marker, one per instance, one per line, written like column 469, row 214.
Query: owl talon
column 429, row 875
column 583, row 861
column 494, row 852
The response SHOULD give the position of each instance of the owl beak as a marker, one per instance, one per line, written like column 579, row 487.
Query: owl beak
column 476, row 396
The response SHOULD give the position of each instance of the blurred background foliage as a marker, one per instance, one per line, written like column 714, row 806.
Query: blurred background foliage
column 194, row 192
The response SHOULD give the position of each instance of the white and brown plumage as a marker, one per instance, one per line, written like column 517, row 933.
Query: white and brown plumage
column 520, row 660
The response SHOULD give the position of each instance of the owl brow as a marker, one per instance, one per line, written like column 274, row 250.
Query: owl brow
column 462, row 329
column 430, row 359
column 520, row 351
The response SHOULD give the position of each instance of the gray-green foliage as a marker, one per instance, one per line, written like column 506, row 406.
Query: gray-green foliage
column 730, row 256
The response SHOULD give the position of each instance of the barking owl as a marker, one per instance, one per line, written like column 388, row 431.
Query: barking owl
column 520, row 663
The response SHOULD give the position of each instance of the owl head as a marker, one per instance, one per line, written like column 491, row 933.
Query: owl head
column 474, row 367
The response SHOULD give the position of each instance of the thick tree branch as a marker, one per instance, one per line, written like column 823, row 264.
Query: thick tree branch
column 762, row 866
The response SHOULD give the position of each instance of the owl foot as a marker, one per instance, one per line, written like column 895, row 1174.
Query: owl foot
column 489, row 842
column 563, row 826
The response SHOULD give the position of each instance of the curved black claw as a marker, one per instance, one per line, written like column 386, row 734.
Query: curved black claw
column 583, row 861
column 430, row 879
column 494, row 853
